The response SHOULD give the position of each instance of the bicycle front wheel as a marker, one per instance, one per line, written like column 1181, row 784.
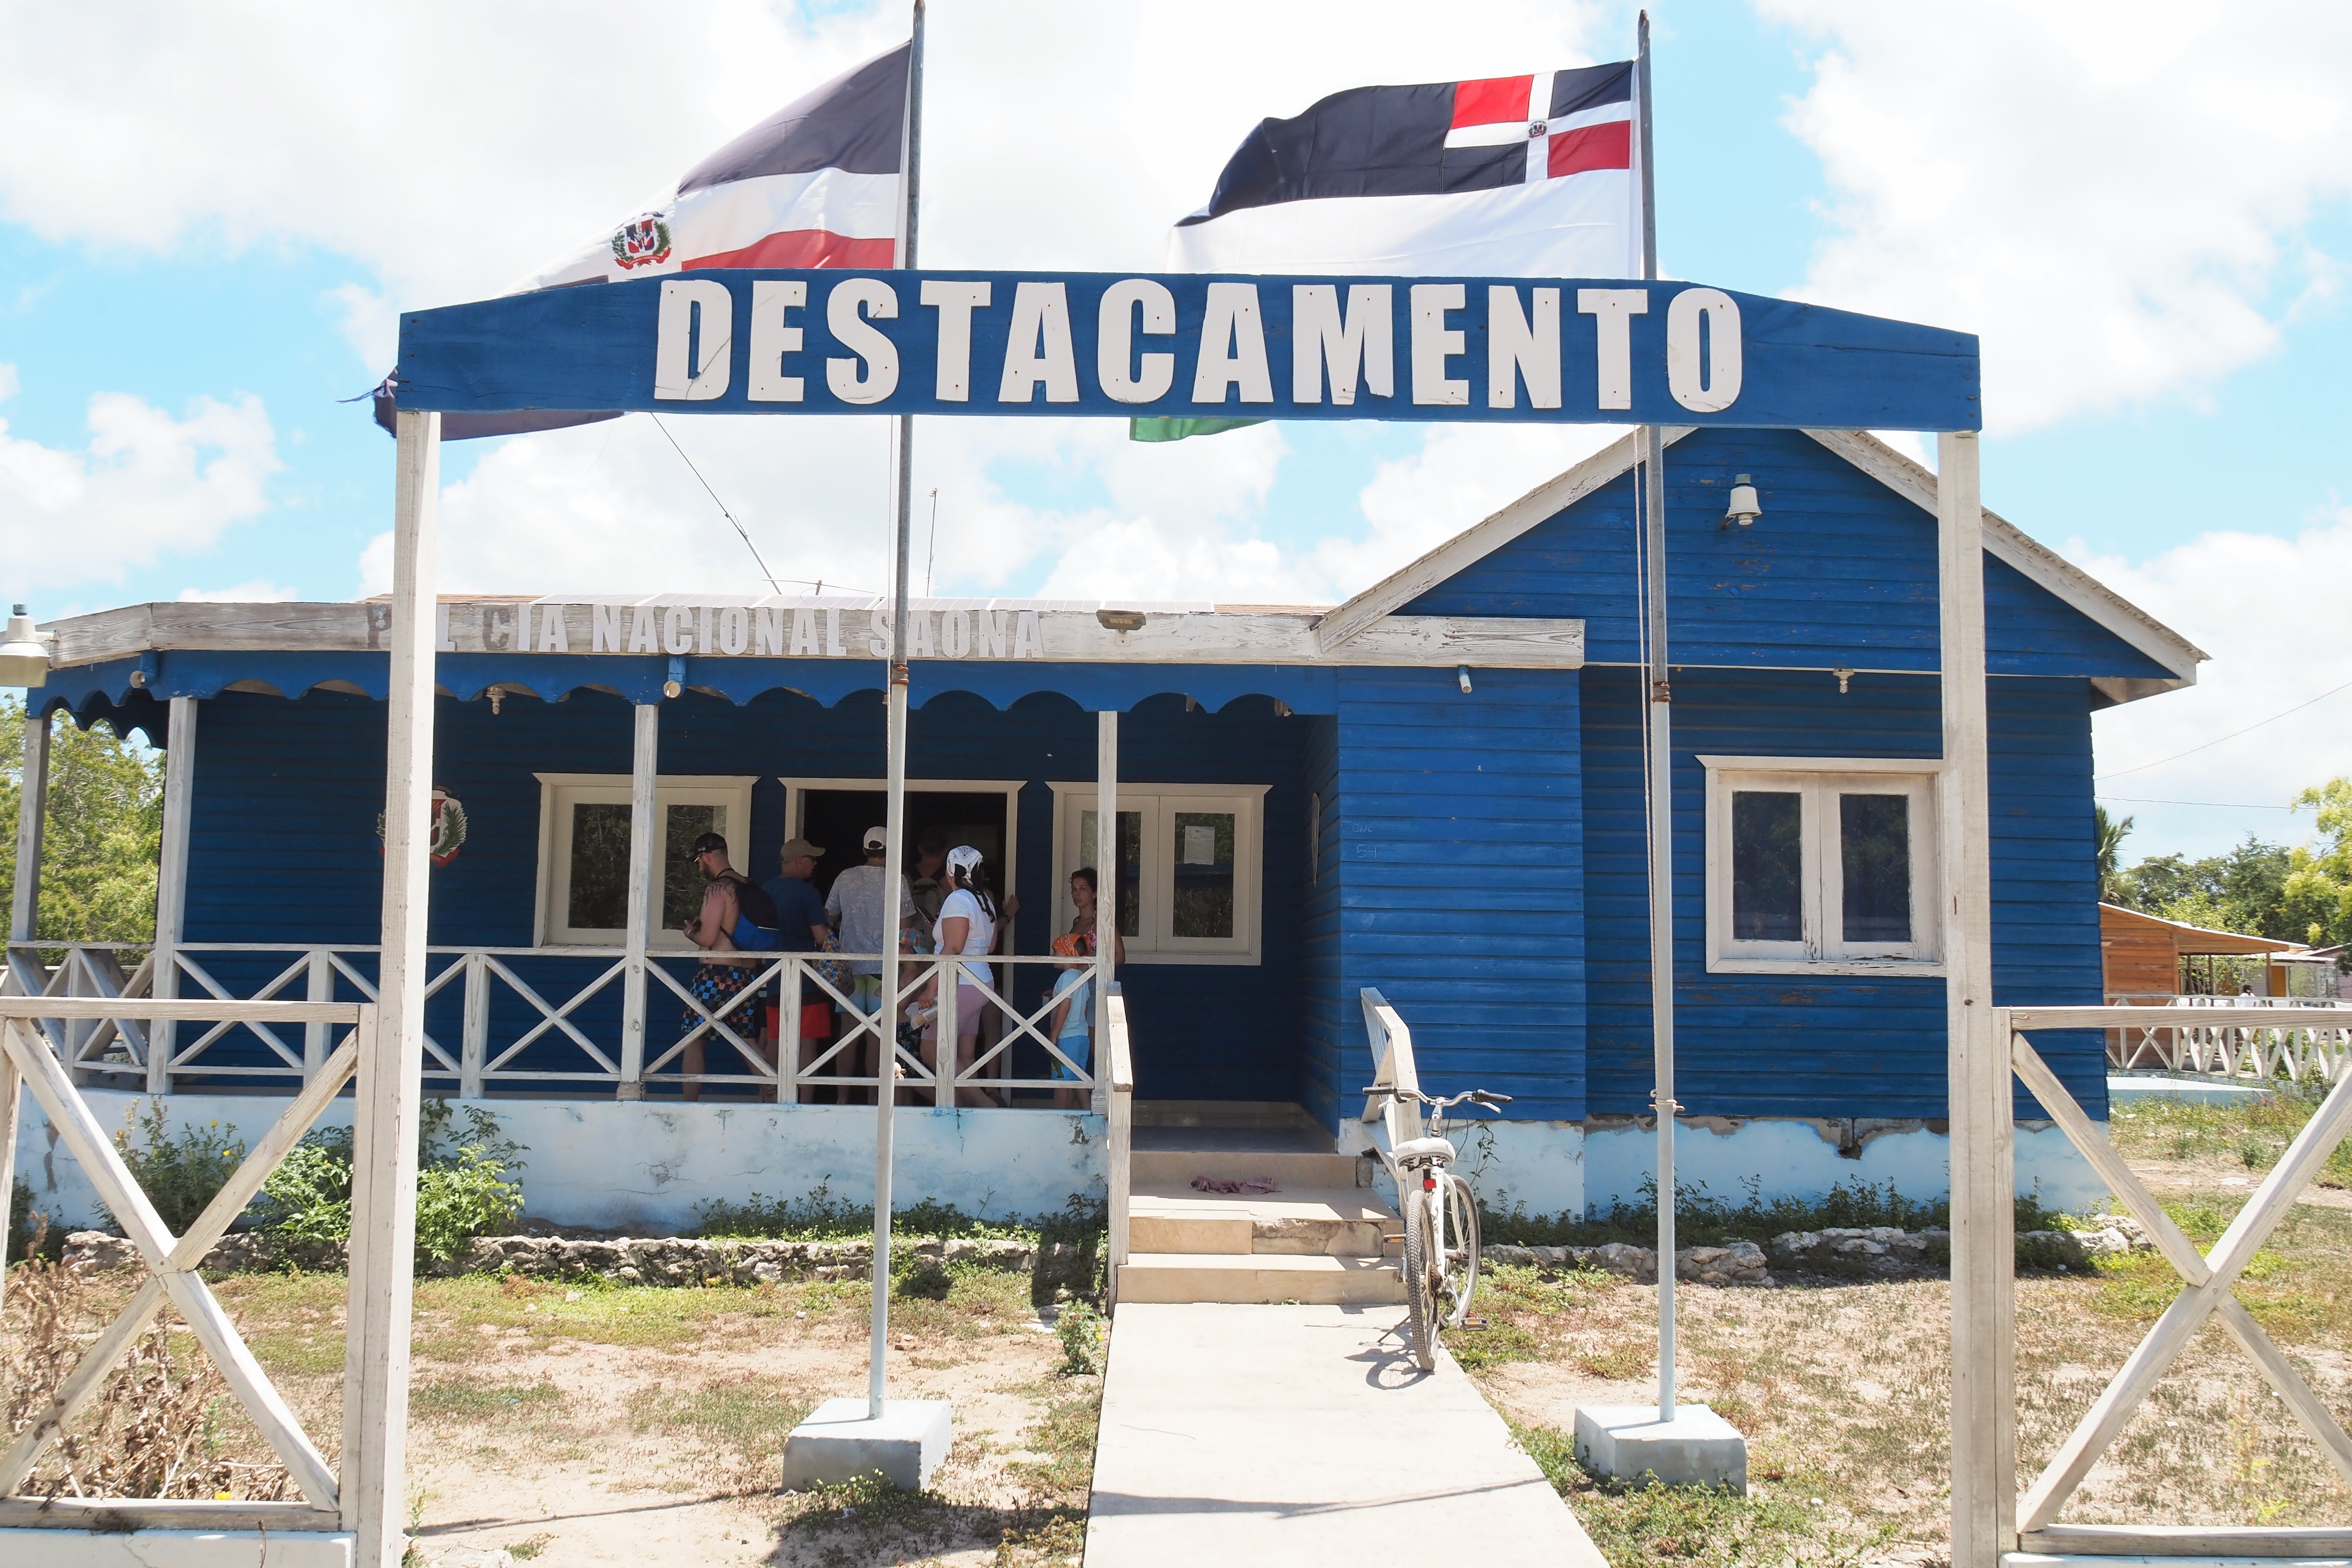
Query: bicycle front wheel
column 1457, row 1271
column 1420, row 1316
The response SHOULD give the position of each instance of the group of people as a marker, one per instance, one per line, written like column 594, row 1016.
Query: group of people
column 947, row 907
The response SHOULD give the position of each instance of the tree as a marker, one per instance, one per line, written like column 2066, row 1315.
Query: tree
column 102, row 836
column 2112, row 834
column 2319, row 883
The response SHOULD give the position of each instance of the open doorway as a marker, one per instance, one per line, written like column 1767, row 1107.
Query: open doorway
column 835, row 813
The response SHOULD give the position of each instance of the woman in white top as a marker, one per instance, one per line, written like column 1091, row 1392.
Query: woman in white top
column 966, row 926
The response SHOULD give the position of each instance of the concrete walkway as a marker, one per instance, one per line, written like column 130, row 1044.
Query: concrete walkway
column 1303, row 1436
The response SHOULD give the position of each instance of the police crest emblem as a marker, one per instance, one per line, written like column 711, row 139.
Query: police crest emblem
column 642, row 241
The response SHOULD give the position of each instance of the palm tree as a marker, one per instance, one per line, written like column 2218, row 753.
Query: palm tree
column 2113, row 887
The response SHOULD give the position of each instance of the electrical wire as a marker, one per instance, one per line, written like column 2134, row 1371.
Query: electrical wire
column 931, row 555
column 2224, row 805
column 2232, row 735
column 773, row 581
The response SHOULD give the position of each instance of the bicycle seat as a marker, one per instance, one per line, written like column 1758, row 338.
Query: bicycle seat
column 1423, row 1149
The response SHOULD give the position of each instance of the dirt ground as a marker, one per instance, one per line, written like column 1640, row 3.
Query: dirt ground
column 1842, row 1386
column 594, row 1425
column 591, row 1423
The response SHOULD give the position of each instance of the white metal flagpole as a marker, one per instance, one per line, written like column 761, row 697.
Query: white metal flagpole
column 1660, row 782
column 895, row 710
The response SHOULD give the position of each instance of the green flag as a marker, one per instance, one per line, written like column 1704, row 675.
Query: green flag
column 1177, row 430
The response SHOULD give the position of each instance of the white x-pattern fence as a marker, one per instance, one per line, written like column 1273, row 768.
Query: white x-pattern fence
column 2252, row 1040
column 27, row 1062
column 2208, row 1278
column 587, row 1016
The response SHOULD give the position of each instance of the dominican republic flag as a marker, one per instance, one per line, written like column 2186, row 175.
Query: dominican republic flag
column 814, row 184
column 1513, row 176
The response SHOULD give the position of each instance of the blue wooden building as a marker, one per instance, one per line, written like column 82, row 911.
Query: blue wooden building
column 1436, row 789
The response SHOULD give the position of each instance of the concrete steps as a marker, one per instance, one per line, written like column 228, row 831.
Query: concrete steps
column 1319, row 1238
column 1268, row 1277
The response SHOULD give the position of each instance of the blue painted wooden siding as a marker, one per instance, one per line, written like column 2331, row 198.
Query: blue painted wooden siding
column 1839, row 571
column 285, row 847
column 1452, row 860
column 1776, row 1044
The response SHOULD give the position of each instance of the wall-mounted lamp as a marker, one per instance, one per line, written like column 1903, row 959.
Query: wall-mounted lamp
column 1463, row 674
column 23, row 661
column 1843, row 674
column 676, row 683
column 1745, row 508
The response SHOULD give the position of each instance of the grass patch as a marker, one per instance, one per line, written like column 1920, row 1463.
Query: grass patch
column 466, row 1399
column 751, row 1419
column 1649, row 1522
column 2252, row 1134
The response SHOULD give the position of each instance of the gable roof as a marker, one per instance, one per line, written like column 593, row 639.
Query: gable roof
column 2004, row 542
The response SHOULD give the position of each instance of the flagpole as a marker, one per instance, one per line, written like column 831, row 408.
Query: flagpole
column 1661, row 781
column 894, row 718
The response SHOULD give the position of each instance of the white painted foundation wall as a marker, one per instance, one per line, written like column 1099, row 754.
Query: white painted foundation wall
column 643, row 1167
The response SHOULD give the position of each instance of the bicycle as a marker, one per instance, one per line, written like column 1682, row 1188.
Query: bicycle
column 1440, row 1222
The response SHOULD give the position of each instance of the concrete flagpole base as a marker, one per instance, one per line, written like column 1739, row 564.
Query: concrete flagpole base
column 841, row 1442
column 1696, row 1448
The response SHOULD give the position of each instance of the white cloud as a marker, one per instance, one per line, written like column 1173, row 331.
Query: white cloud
column 2112, row 194
column 253, row 591
column 147, row 485
column 2268, row 610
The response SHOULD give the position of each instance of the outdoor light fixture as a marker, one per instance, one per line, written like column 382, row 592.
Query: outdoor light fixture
column 22, row 661
column 1120, row 620
column 1462, row 672
column 1745, row 508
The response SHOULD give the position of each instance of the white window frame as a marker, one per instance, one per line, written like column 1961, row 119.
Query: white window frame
column 558, row 792
column 1818, row 781
column 1157, row 804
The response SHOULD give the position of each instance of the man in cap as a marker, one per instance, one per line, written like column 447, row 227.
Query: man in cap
column 854, row 910
column 800, row 927
column 737, row 916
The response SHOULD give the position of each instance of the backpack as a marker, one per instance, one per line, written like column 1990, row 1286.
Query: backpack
column 757, row 923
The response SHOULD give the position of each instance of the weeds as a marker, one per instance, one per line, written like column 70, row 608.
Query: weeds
column 1084, row 1333
column 160, row 1426
column 1649, row 1522
column 1703, row 1218
column 179, row 1174
column 2251, row 1134
column 462, row 1190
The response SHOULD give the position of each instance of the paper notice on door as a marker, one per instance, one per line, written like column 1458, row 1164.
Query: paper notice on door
column 1200, row 845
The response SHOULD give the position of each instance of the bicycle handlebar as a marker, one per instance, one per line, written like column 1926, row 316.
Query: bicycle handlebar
column 1472, row 1096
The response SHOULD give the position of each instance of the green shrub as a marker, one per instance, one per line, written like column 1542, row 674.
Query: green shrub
column 1082, row 1331
column 462, row 1190
column 179, row 1174
column 30, row 1232
column 1703, row 1218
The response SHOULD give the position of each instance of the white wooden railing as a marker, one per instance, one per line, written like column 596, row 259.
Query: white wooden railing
column 1392, row 1049
column 2251, row 1038
column 1119, row 1077
column 496, row 1037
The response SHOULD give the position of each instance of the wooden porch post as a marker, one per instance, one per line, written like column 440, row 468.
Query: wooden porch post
column 1105, row 884
column 1984, row 1415
column 171, row 886
column 392, row 1040
column 644, row 830
column 32, row 808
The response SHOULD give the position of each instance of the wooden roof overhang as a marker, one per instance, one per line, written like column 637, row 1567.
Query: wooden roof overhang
column 1100, row 654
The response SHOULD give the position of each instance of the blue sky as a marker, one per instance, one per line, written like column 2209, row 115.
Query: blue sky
column 2158, row 301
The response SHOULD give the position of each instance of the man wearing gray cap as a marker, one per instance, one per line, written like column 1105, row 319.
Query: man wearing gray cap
column 853, row 909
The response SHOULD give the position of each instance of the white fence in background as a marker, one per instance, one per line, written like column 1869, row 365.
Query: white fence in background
column 2252, row 1039
column 555, row 987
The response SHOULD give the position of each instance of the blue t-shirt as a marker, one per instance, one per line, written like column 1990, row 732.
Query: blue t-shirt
column 799, row 906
